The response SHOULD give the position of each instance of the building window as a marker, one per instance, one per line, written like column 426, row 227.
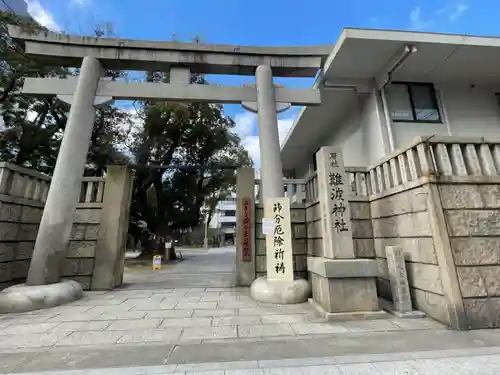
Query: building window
column 412, row 102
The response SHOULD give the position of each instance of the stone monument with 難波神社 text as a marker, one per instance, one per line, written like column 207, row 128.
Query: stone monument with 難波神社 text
column 343, row 285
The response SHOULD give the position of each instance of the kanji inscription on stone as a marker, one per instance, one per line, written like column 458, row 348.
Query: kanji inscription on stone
column 398, row 278
column 334, row 191
column 246, row 228
column 279, row 242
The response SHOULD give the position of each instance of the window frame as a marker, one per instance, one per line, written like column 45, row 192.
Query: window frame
column 433, row 98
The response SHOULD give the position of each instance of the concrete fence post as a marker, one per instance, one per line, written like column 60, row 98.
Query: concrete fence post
column 112, row 241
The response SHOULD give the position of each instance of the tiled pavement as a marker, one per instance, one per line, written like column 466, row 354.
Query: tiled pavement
column 175, row 316
column 416, row 363
column 158, row 323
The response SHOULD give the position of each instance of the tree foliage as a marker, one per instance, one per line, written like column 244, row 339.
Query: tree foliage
column 198, row 138
column 33, row 127
column 197, row 134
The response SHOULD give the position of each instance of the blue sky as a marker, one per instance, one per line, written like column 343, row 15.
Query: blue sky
column 265, row 22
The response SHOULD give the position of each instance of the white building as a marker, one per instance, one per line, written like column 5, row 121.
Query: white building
column 224, row 219
column 16, row 6
column 381, row 89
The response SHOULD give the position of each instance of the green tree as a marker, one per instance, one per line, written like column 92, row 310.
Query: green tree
column 198, row 138
column 33, row 127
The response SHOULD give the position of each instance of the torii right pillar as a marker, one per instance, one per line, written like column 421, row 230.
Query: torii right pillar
column 279, row 286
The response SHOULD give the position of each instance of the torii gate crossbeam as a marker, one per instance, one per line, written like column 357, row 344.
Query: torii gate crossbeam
column 89, row 90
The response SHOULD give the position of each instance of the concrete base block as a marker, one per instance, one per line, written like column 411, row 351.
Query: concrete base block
column 280, row 292
column 388, row 306
column 347, row 316
column 345, row 295
column 23, row 298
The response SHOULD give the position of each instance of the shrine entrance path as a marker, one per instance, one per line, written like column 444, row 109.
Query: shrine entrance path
column 190, row 314
column 200, row 268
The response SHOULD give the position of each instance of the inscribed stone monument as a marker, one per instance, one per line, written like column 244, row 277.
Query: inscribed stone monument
column 398, row 279
column 335, row 212
column 246, row 232
column 279, row 241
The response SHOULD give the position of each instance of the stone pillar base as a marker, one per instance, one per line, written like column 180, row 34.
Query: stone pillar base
column 389, row 307
column 280, row 292
column 23, row 298
column 347, row 316
column 345, row 286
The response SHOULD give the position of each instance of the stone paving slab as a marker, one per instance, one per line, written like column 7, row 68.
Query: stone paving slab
column 345, row 349
column 123, row 316
column 484, row 361
column 199, row 319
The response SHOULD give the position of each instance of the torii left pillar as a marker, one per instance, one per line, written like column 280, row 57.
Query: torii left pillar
column 57, row 219
column 44, row 287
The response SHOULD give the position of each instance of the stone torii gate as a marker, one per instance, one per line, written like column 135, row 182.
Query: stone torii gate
column 90, row 90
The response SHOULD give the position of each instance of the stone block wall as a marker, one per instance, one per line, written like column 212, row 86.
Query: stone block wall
column 401, row 219
column 313, row 229
column 362, row 229
column 472, row 214
column 18, row 229
column 299, row 238
column 23, row 193
column 80, row 258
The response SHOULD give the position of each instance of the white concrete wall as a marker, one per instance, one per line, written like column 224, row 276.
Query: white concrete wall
column 361, row 134
column 372, row 122
column 471, row 111
column 351, row 135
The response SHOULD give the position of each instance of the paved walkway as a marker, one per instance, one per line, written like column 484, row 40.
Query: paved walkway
column 188, row 318
column 420, row 363
column 199, row 269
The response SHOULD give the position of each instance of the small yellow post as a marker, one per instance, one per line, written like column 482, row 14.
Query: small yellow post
column 157, row 262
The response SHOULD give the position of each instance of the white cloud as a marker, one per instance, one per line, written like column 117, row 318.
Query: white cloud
column 246, row 128
column 457, row 11
column 244, row 124
column 42, row 15
column 416, row 21
column 447, row 13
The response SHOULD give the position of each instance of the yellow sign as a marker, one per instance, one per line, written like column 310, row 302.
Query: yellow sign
column 157, row 262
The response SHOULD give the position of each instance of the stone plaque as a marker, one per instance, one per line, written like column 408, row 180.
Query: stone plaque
column 246, row 229
column 398, row 278
column 334, row 190
column 279, row 243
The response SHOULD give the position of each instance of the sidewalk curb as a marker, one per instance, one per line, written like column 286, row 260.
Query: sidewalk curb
column 265, row 364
